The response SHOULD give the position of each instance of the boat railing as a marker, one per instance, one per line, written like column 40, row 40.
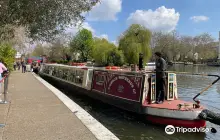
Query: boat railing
column 194, row 74
column 200, row 74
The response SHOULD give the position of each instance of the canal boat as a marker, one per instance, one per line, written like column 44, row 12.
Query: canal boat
column 129, row 90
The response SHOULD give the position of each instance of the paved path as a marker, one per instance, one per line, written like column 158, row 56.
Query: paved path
column 35, row 113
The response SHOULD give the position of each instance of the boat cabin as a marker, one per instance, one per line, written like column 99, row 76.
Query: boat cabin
column 128, row 85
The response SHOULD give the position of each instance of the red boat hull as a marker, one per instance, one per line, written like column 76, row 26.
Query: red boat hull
column 176, row 122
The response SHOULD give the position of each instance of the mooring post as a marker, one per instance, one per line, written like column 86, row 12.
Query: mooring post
column 4, row 101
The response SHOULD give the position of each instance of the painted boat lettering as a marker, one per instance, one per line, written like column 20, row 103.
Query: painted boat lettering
column 124, row 86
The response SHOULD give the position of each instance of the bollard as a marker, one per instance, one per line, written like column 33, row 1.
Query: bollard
column 5, row 91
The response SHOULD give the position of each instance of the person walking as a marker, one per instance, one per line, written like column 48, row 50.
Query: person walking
column 15, row 64
column 18, row 64
column 23, row 66
column 2, row 69
column 160, row 78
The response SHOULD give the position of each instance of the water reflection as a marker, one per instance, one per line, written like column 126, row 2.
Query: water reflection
column 128, row 126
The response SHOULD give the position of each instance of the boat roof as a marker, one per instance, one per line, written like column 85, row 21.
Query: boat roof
column 151, row 63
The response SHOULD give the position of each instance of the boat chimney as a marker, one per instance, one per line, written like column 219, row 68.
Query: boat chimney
column 219, row 46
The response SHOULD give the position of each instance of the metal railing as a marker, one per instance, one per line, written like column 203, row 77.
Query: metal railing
column 5, row 92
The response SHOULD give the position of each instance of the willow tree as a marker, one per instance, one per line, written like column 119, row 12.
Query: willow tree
column 43, row 19
column 106, row 53
column 136, row 39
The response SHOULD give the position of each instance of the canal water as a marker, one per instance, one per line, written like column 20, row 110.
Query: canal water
column 128, row 126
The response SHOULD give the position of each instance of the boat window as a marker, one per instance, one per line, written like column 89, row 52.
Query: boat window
column 79, row 77
column 100, row 78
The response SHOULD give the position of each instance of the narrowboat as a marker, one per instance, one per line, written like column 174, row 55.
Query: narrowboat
column 129, row 90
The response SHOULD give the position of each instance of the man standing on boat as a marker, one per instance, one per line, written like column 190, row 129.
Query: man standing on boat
column 160, row 78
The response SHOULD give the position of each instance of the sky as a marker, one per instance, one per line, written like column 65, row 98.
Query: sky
column 110, row 18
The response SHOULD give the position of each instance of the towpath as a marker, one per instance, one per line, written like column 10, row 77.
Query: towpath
column 34, row 112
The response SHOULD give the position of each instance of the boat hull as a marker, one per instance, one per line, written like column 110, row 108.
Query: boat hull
column 153, row 115
column 176, row 122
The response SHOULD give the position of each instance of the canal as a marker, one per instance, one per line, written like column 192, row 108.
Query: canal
column 128, row 126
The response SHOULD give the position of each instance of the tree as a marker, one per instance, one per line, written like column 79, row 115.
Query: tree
column 20, row 41
column 203, row 45
column 101, row 50
column 56, row 51
column 115, row 57
column 106, row 53
column 136, row 39
column 82, row 43
column 186, row 47
column 7, row 55
column 38, row 50
column 168, row 44
column 43, row 18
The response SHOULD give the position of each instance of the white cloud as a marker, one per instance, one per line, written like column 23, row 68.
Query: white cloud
column 199, row 18
column 105, row 36
column 74, row 29
column 105, row 10
column 162, row 19
column 116, row 43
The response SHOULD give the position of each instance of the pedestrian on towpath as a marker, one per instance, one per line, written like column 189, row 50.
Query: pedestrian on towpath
column 160, row 78
column 23, row 64
column 2, row 70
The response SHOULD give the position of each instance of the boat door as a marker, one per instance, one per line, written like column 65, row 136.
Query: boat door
column 153, row 88
column 170, row 84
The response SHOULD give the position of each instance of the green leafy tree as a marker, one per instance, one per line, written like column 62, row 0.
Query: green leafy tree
column 43, row 18
column 7, row 55
column 106, row 53
column 82, row 43
column 135, row 40
column 115, row 57
column 101, row 50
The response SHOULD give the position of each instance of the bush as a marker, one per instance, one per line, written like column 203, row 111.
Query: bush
column 7, row 55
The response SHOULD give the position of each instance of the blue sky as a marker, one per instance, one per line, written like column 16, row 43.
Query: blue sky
column 189, row 17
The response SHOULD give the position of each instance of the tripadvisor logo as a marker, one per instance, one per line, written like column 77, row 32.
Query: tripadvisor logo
column 170, row 129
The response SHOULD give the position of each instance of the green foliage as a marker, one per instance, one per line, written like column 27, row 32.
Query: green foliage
column 115, row 57
column 6, row 33
column 38, row 50
column 135, row 40
column 82, row 43
column 106, row 53
column 7, row 55
column 44, row 19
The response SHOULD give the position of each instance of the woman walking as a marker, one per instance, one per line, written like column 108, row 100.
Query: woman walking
column 2, row 69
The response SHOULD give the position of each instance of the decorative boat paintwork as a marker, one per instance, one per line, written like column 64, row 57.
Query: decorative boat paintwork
column 131, row 91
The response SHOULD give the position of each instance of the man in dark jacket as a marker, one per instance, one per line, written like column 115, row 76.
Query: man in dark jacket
column 160, row 77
